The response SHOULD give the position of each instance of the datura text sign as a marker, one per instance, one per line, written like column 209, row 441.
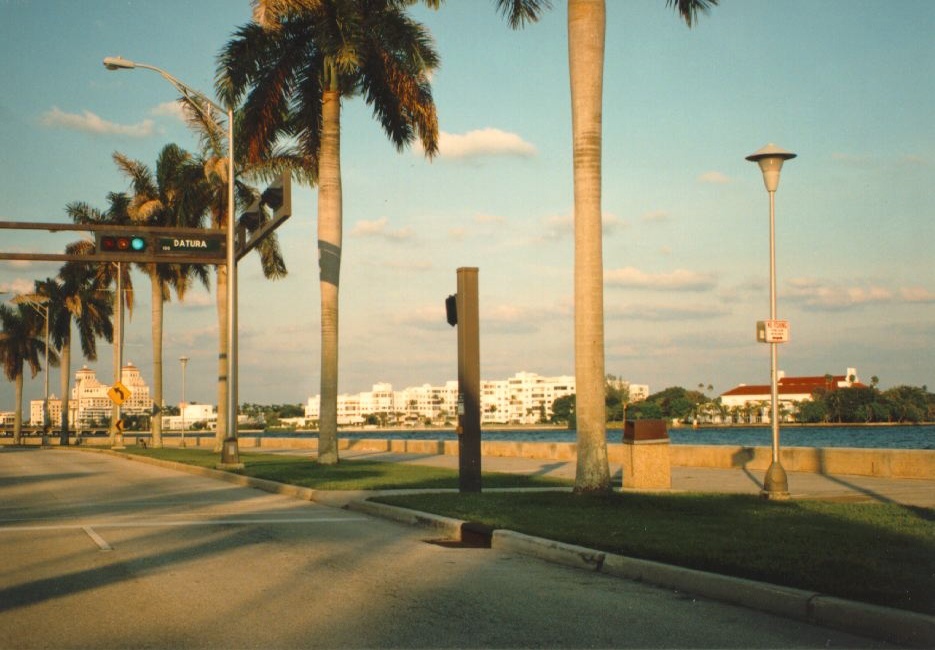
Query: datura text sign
column 191, row 244
column 772, row 331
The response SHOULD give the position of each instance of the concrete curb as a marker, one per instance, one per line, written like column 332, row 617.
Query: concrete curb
column 883, row 623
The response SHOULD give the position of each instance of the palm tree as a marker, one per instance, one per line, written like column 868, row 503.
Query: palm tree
column 21, row 343
column 168, row 197
column 106, row 274
column 294, row 69
column 203, row 119
column 74, row 297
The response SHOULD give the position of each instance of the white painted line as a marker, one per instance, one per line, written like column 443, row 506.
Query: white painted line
column 158, row 524
column 100, row 541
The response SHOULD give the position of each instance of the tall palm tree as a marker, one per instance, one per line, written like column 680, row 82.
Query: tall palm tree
column 75, row 297
column 586, row 33
column 204, row 120
column 106, row 274
column 294, row 70
column 22, row 342
column 168, row 197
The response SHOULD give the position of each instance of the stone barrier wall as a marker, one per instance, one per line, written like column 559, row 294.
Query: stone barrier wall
column 892, row 463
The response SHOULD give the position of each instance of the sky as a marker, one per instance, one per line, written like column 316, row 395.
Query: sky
column 848, row 85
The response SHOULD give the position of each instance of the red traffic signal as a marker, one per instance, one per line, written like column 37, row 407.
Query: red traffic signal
column 121, row 243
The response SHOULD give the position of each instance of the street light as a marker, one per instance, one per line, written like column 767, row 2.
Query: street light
column 184, row 361
column 230, row 455
column 40, row 304
column 770, row 159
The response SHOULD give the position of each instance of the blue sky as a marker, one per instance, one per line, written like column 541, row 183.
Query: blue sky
column 846, row 85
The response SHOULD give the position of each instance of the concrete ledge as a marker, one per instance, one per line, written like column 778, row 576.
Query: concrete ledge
column 893, row 625
column 546, row 549
column 785, row 601
column 447, row 526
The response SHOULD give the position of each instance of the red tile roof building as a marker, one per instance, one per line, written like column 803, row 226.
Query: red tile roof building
column 754, row 401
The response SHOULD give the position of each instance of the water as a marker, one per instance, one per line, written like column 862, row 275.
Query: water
column 872, row 437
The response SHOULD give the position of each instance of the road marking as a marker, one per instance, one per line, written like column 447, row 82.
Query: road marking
column 100, row 541
column 158, row 524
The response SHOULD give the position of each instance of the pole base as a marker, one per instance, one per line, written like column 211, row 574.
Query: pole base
column 230, row 455
column 776, row 484
column 118, row 441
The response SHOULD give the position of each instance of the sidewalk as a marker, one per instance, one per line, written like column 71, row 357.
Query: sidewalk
column 802, row 485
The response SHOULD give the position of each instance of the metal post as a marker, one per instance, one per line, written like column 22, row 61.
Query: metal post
column 776, row 484
column 184, row 361
column 230, row 454
column 469, row 447
column 116, row 437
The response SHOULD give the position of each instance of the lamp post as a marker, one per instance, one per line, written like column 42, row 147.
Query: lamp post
column 770, row 159
column 230, row 455
column 184, row 361
column 40, row 304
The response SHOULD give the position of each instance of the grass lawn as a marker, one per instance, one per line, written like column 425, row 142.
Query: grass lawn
column 348, row 474
column 876, row 553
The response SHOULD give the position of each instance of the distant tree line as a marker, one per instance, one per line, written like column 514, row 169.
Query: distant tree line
column 855, row 404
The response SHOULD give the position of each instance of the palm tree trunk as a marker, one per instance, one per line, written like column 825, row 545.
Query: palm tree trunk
column 586, row 26
column 64, row 377
column 18, row 410
column 221, row 430
column 329, row 260
column 157, row 311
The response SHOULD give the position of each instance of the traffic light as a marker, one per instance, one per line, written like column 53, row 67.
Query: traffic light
column 278, row 196
column 110, row 243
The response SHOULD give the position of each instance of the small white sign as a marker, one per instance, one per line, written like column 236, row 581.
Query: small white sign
column 772, row 331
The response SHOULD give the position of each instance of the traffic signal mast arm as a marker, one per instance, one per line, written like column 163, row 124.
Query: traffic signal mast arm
column 147, row 236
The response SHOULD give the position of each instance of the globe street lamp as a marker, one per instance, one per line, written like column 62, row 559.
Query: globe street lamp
column 230, row 456
column 184, row 361
column 770, row 159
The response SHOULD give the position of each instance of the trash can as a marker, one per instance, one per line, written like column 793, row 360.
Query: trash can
column 646, row 462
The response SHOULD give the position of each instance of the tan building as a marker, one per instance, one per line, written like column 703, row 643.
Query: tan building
column 89, row 404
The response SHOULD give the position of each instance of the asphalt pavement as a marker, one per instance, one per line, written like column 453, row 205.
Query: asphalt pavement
column 99, row 552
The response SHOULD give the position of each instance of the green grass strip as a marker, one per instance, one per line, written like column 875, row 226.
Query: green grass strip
column 348, row 474
column 876, row 553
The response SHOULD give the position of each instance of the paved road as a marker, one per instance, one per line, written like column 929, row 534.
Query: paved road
column 100, row 552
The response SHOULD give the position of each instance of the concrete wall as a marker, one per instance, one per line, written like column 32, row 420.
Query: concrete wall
column 895, row 463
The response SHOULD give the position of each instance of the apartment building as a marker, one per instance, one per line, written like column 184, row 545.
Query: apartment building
column 524, row 398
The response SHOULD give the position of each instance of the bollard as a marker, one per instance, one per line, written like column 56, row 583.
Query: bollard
column 646, row 463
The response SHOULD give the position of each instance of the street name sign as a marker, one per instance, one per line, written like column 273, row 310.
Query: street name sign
column 191, row 244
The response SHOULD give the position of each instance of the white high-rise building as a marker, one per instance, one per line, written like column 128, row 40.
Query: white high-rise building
column 525, row 398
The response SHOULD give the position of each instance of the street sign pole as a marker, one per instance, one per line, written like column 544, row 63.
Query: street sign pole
column 469, row 440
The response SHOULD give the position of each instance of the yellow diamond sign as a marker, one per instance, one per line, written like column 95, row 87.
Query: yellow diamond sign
column 119, row 393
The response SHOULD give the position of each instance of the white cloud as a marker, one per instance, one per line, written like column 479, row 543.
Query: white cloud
column 717, row 178
column 655, row 215
column 678, row 280
column 817, row 295
column 379, row 228
column 88, row 122
column 916, row 294
column 174, row 109
column 18, row 285
column 488, row 218
column 482, row 143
